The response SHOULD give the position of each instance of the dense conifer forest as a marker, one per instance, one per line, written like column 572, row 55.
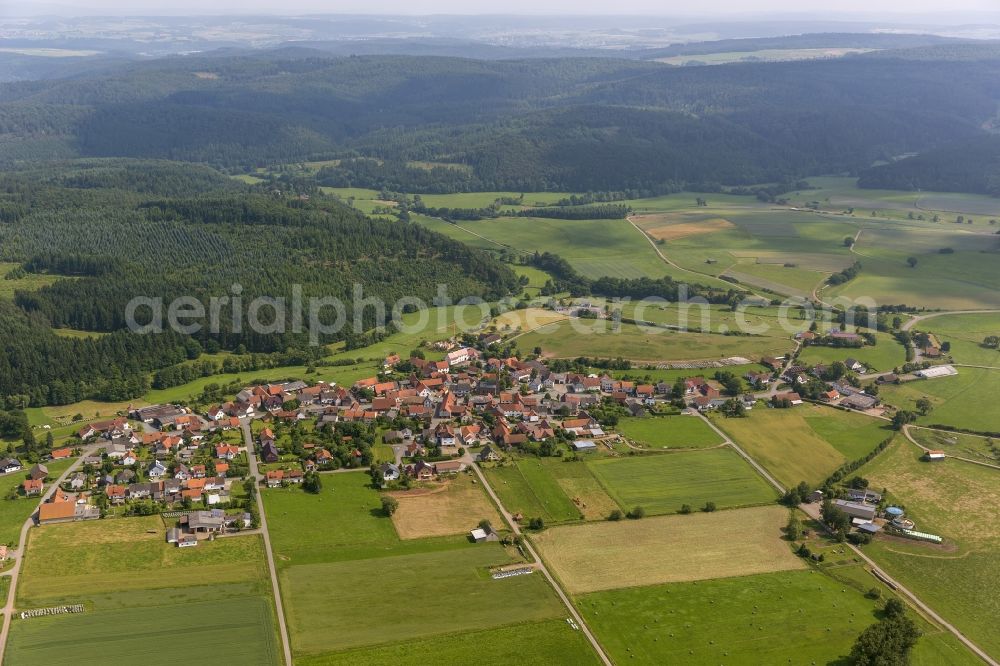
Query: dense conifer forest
column 113, row 230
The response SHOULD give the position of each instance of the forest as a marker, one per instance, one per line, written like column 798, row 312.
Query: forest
column 97, row 226
column 972, row 166
column 567, row 124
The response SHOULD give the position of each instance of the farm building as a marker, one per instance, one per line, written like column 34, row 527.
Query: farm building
column 935, row 456
column 855, row 510
column 869, row 528
column 62, row 512
column 922, row 536
column 869, row 496
column 936, row 372
column 860, row 401
column 584, row 445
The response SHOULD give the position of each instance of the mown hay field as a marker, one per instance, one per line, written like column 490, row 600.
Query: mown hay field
column 664, row 549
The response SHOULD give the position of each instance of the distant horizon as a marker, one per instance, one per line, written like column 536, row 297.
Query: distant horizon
column 901, row 11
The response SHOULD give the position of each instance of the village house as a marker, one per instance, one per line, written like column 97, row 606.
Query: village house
column 157, row 470
column 32, row 487
column 389, row 472
column 488, row 454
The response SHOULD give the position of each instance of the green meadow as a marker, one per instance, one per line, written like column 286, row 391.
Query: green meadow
column 335, row 606
column 136, row 588
column 881, row 357
column 527, row 487
column 661, row 483
column 804, row 443
column 974, row 447
column 966, row 400
column 342, row 565
column 344, row 522
column 548, row 641
column 797, row 617
column 668, row 432
column 966, row 334
column 598, row 338
column 956, row 500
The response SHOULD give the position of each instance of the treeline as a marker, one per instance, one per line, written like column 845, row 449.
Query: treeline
column 184, row 373
column 605, row 212
column 397, row 176
column 566, row 279
column 845, row 275
column 557, row 212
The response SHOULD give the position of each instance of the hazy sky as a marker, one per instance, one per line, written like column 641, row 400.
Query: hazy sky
column 658, row 7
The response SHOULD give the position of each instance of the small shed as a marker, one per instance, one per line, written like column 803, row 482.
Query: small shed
column 478, row 535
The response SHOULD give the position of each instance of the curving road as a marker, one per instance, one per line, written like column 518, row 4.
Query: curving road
column 909, row 436
column 919, row 318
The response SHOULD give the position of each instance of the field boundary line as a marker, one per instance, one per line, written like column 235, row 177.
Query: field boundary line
column 272, row 569
column 556, row 585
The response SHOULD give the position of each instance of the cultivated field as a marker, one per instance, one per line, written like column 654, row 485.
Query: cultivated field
column 580, row 485
column 455, row 507
column 68, row 562
column 671, row 226
column 527, row 487
column 668, row 432
column 629, row 553
column 597, row 339
column 768, row 322
column 344, row 522
column 958, row 281
column 216, row 595
column 772, row 618
column 223, row 629
column 517, row 321
column 662, row 483
column 408, row 597
column 805, row 443
column 547, row 642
